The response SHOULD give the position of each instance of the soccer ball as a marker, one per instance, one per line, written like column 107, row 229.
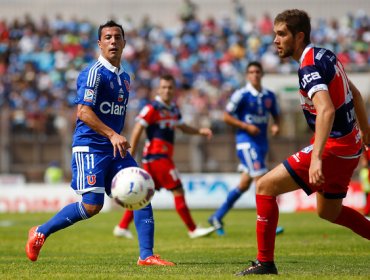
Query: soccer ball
column 132, row 188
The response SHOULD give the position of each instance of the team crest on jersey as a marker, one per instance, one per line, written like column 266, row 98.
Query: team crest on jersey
column 89, row 95
column 268, row 103
column 91, row 179
column 120, row 95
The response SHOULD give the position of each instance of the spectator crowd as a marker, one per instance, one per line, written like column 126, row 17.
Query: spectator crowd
column 40, row 60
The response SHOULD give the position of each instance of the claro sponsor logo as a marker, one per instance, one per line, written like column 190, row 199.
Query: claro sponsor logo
column 112, row 108
column 256, row 119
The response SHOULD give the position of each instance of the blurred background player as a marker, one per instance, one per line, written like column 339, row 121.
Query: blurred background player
column 365, row 179
column 99, row 151
column 249, row 111
column 335, row 111
column 160, row 118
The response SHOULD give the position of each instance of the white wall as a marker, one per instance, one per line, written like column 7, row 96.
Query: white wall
column 205, row 191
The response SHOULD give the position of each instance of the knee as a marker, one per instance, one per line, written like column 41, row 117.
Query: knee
column 91, row 209
column 178, row 190
column 327, row 215
column 328, row 209
column 262, row 187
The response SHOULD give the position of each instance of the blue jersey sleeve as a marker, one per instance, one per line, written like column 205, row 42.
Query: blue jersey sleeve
column 87, row 87
column 232, row 107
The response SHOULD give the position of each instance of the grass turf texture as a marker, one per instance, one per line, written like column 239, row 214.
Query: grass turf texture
column 310, row 248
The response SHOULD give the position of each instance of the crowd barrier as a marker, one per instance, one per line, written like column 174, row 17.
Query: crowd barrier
column 203, row 191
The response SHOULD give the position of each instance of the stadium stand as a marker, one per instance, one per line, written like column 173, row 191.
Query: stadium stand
column 41, row 56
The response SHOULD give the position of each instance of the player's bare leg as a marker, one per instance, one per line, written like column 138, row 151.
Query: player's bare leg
column 333, row 211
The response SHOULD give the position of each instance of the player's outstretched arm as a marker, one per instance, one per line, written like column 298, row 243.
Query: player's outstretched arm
column 250, row 128
column 204, row 131
column 361, row 115
column 119, row 142
column 275, row 127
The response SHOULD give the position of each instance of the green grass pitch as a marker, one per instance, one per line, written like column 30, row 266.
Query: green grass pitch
column 310, row 248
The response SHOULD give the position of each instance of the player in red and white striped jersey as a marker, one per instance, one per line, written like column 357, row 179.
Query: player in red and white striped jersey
column 336, row 113
column 160, row 119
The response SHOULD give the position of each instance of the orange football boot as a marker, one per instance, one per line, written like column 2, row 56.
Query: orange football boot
column 34, row 243
column 154, row 260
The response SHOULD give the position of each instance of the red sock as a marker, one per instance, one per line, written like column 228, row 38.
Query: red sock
column 367, row 205
column 267, row 220
column 127, row 218
column 355, row 221
column 183, row 210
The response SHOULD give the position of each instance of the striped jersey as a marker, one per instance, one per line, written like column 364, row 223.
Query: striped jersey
column 320, row 70
column 104, row 88
column 253, row 107
column 160, row 121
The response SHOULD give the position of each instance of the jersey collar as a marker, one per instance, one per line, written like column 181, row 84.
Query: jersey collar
column 159, row 99
column 253, row 91
column 109, row 66
column 308, row 47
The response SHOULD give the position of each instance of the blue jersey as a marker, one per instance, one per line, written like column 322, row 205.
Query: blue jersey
column 105, row 89
column 253, row 107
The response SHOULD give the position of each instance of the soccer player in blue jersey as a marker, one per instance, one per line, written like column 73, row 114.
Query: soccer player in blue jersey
column 249, row 111
column 98, row 149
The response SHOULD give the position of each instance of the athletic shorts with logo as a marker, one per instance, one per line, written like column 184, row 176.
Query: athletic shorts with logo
column 336, row 170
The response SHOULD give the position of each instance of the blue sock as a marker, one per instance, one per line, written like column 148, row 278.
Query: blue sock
column 228, row 204
column 66, row 217
column 144, row 223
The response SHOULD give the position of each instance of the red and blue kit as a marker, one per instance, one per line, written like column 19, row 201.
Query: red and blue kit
column 160, row 121
column 321, row 72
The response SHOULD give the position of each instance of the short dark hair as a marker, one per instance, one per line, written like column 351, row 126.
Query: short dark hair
column 254, row 63
column 168, row 77
column 110, row 23
column 296, row 21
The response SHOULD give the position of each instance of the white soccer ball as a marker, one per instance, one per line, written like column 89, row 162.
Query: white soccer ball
column 132, row 188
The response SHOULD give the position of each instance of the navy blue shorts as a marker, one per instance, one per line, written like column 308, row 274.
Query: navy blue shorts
column 93, row 172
